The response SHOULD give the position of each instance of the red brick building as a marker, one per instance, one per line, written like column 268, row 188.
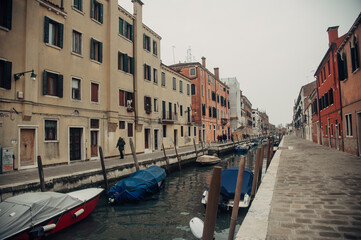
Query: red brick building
column 315, row 117
column 349, row 75
column 210, row 99
column 329, row 94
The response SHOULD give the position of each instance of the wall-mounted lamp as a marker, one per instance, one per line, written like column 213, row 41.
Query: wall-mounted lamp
column 32, row 76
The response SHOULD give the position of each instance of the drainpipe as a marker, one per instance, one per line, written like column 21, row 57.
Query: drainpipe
column 339, row 88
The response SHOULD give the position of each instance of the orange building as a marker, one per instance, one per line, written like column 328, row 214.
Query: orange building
column 210, row 99
column 348, row 59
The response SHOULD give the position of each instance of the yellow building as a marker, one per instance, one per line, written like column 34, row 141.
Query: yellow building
column 99, row 77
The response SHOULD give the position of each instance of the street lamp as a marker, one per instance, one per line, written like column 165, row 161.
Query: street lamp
column 18, row 75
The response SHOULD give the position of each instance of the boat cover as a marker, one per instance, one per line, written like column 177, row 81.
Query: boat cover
column 229, row 182
column 138, row 185
column 20, row 212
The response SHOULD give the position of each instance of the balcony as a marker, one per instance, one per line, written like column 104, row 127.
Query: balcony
column 169, row 117
column 224, row 121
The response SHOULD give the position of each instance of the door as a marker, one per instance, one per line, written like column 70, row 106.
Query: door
column 94, row 143
column 175, row 137
column 146, row 138
column 337, row 137
column 358, row 129
column 75, row 143
column 156, row 137
column 27, row 149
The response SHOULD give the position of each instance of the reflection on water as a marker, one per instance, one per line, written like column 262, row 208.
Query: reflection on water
column 165, row 216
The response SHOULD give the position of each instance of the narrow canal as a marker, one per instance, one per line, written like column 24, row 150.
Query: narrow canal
column 165, row 216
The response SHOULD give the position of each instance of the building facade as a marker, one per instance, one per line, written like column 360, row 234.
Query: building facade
column 256, row 125
column 247, row 114
column 98, row 78
column 210, row 99
column 348, row 59
column 235, row 103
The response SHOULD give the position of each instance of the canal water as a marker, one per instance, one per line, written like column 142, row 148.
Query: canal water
column 165, row 216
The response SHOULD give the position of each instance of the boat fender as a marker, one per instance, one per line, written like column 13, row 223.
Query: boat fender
column 78, row 213
column 49, row 227
column 111, row 200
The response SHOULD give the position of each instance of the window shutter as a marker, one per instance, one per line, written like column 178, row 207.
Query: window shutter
column 101, row 12
column 145, row 71
column 7, row 75
column 80, row 3
column 125, row 62
column 144, row 44
column 92, row 49
column 91, row 8
column 132, row 33
column 46, row 30
column 59, row 86
column 345, row 65
column 8, row 15
column 121, row 26
column 119, row 56
column 150, row 73
column 100, row 52
column 131, row 65
column 60, row 35
column 45, row 83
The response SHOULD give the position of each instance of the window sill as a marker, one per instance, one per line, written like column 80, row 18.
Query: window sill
column 51, row 141
column 76, row 100
column 96, row 103
column 78, row 11
column 148, row 51
column 53, row 46
column 96, row 21
column 77, row 54
column 95, row 61
column 51, row 96
column 155, row 55
column 126, row 73
column 155, row 83
column 4, row 29
column 125, row 38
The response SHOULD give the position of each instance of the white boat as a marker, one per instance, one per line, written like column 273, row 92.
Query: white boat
column 207, row 160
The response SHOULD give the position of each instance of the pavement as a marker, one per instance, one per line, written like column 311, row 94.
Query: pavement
column 316, row 194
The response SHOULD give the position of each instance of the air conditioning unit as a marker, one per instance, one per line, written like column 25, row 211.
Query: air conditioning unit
column 20, row 95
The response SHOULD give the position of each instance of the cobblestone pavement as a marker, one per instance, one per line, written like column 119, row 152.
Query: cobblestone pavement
column 317, row 194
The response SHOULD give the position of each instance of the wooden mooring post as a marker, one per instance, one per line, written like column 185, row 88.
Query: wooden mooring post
column 103, row 168
column 195, row 148
column 268, row 153
column 166, row 158
column 212, row 204
column 176, row 153
column 237, row 197
column 41, row 174
column 134, row 154
column 261, row 159
column 256, row 171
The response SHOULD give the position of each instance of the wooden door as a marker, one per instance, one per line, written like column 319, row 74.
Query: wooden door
column 94, row 143
column 146, row 138
column 27, row 151
column 75, row 143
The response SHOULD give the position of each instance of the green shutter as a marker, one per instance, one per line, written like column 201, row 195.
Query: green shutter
column 91, row 8
column 148, row 44
column 46, row 30
column 92, row 49
column 8, row 13
column 121, row 26
column 145, row 71
column 60, row 35
column 80, row 2
column 101, row 12
column 144, row 45
column 7, row 75
column 59, row 87
column 150, row 73
column 125, row 62
column 132, row 33
column 45, row 83
column 131, row 65
column 100, row 54
column 119, row 56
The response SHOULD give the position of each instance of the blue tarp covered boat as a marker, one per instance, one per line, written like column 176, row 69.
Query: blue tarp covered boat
column 243, row 148
column 228, row 188
column 138, row 185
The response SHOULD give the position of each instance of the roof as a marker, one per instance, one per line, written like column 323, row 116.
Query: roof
column 350, row 32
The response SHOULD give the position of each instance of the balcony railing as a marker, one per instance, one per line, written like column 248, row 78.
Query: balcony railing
column 170, row 117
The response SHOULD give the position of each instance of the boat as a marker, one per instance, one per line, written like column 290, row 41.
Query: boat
column 242, row 148
column 138, row 185
column 206, row 160
column 35, row 215
column 228, row 188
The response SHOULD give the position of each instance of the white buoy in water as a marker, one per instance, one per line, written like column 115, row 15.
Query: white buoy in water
column 196, row 226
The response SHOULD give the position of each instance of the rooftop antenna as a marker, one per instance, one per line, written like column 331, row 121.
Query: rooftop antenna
column 173, row 47
column 189, row 54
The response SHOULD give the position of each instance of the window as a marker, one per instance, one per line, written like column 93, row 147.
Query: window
column 202, row 91
column 182, row 131
column 189, row 131
column 164, row 130
column 213, row 96
column 348, row 125
column 51, row 130
column 210, row 111
column 147, row 72
column 331, row 129
column 147, row 104
column 354, row 51
column 163, row 79
column 155, row 105
column 180, row 86
column 78, row 4
column 121, row 124
column 125, row 63
column 188, row 90
column 76, row 45
column 342, row 66
column 52, row 84
column 6, row 13
column 126, row 99
column 155, row 76
column 94, row 92
column 330, row 96
column 130, row 129
column 193, row 90
column 96, row 50
column 155, row 48
column 192, row 72
column 53, row 32
column 126, row 29
column 146, row 42
column 174, row 84
column 181, row 110
column 5, row 74
column 203, row 110
column 209, row 94
column 96, row 11
column 195, row 131
column 329, row 67
column 75, row 89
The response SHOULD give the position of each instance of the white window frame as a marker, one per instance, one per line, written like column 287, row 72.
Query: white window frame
column 81, row 43
column 57, row 130
column 348, row 125
column 80, row 89
column 192, row 70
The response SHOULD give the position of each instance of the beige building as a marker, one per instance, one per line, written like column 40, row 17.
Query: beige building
column 99, row 76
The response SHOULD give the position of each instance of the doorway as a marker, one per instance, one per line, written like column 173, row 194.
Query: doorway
column 147, row 140
column 156, row 139
column 175, row 137
column 27, row 148
column 94, row 143
column 358, row 128
column 75, row 142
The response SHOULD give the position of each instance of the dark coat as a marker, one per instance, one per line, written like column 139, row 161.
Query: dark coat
column 120, row 144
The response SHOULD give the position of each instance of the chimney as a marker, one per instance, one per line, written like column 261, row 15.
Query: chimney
column 216, row 72
column 332, row 34
column 203, row 61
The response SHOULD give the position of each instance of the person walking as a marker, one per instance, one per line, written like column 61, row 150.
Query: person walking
column 120, row 146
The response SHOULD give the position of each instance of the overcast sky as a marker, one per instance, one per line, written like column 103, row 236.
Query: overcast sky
column 272, row 47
